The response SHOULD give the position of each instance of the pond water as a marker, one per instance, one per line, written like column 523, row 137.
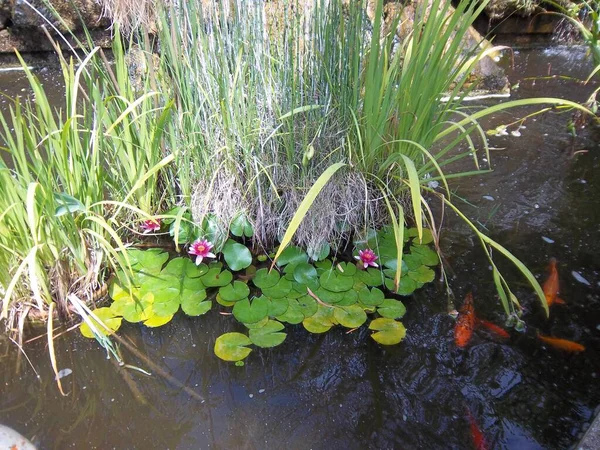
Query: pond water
column 343, row 390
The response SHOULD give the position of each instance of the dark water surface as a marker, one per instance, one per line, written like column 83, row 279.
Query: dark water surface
column 343, row 390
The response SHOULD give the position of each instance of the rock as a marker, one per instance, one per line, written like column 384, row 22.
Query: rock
column 10, row 439
column 23, row 16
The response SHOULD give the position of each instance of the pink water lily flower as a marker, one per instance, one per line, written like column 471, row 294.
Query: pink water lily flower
column 201, row 249
column 150, row 226
column 367, row 258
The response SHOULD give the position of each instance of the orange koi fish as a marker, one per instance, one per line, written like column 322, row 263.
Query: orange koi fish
column 476, row 433
column 551, row 285
column 500, row 332
column 463, row 330
column 562, row 344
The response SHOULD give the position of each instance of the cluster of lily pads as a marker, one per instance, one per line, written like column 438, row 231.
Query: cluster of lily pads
column 319, row 292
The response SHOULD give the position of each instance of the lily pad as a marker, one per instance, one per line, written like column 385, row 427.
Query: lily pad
column 307, row 305
column 265, row 279
column 232, row 346
column 241, row 226
column 268, row 335
column 149, row 261
column 185, row 266
column 234, row 292
column 350, row 298
column 335, row 283
column 352, row 316
column 292, row 255
column 134, row 310
column 422, row 275
column 371, row 276
column 247, row 311
column 305, row 273
column 389, row 332
column 373, row 297
column 260, row 323
column 277, row 306
column 320, row 252
column 391, row 309
column 425, row 254
column 237, row 256
column 280, row 290
column 216, row 278
column 329, row 297
column 220, row 301
column 106, row 316
column 427, row 236
column 293, row 315
column 321, row 321
column 195, row 305
column 346, row 269
column 326, row 264
column 412, row 262
column 158, row 321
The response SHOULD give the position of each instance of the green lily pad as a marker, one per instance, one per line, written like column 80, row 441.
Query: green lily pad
column 292, row 255
column 269, row 335
column 220, row 301
column 195, row 305
column 149, row 261
column 305, row 273
column 426, row 255
column 216, row 278
column 186, row 266
column 346, row 269
column 106, row 316
column 422, row 275
column 134, row 311
column 277, row 306
column 326, row 264
column 259, row 324
column 350, row 298
column 335, row 283
column 293, row 315
column 307, row 305
column 412, row 262
column 320, row 252
column 232, row 346
column 373, row 297
column 329, row 297
column 280, row 290
column 158, row 321
column 371, row 276
column 427, row 236
column 262, row 258
column 321, row 321
column 352, row 316
column 265, row 279
column 241, row 226
column 391, row 309
column 237, row 256
column 247, row 311
column 296, row 291
column 389, row 332
column 234, row 292
column 407, row 286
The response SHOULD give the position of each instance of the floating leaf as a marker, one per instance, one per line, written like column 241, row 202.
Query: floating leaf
column 247, row 311
column 268, row 335
column 352, row 316
column 158, row 321
column 334, row 282
column 134, row 310
column 371, row 276
column 427, row 236
column 292, row 255
column 329, row 297
column 277, row 306
column 319, row 252
column 412, row 262
column 350, row 298
column 373, row 297
column 234, row 292
column 423, row 274
column 260, row 323
column 305, row 273
column 293, row 315
column 391, row 309
column 237, row 256
column 216, row 278
column 232, row 346
column 149, row 261
column 281, row 289
column 346, row 269
column 321, row 321
column 106, row 316
column 307, row 305
column 220, row 301
column 195, row 305
column 265, row 279
column 240, row 226
column 389, row 332
column 185, row 266
column 425, row 254
column 326, row 264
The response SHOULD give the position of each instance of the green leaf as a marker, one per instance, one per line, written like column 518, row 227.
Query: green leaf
column 373, row 297
column 335, row 282
column 292, row 255
column 326, row 264
column 106, row 316
column 185, row 266
column 265, row 279
column 240, row 226
column 281, row 289
column 237, row 256
column 321, row 321
column 195, row 305
column 319, row 252
column 251, row 312
column 305, row 205
column 426, row 255
column 389, row 332
column 415, row 193
column 427, row 236
column 232, row 346
column 259, row 324
column 67, row 204
column 423, row 274
column 158, row 321
column 234, row 292
column 391, row 309
column 407, row 285
column 329, row 297
column 346, row 269
column 277, row 306
column 148, row 261
column 269, row 335
column 352, row 316
column 293, row 315
column 216, row 278
column 350, row 298
column 307, row 305
column 305, row 273
column 134, row 310
column 370, row 277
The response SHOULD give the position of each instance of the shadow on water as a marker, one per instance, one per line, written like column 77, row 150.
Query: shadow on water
column 344, row 391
